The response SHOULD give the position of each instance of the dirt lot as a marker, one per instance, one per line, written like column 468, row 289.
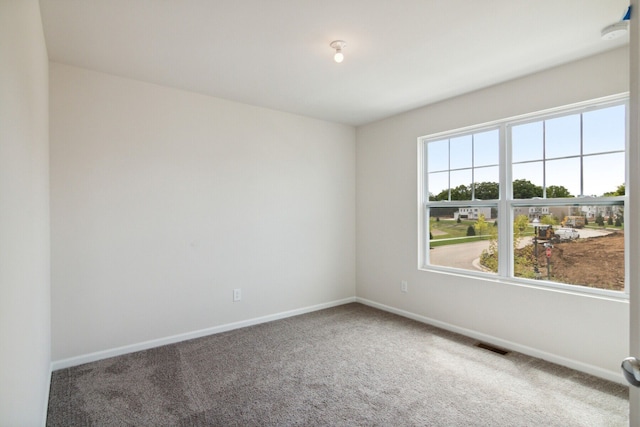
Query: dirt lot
column 597, row 262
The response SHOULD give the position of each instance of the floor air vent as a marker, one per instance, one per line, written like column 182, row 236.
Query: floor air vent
column 492, row 348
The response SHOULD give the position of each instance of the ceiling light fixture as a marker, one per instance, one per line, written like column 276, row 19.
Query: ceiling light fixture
column 338, row 45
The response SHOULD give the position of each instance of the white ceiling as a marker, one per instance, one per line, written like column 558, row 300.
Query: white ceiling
column 400, row 54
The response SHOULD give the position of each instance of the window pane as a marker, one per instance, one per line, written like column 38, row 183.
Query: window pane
column 461, row 152
column 461, row 185
column 486, row 183
column 578, row 245
column 438, row 155
column 439, row 185
column 562, row 136
column 486, row 148
column 491, row 174
column 563, row 174
column 604, row 130
column 464, row 237
column 526, row 142
column 603, row 173
column 527, row 180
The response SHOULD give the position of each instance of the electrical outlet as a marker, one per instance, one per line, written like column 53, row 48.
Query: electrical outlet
column 237, row 294
column 404, row 286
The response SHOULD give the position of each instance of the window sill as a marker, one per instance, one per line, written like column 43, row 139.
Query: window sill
column 542, row 285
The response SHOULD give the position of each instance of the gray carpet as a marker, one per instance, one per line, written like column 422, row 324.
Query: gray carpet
column 346, row 366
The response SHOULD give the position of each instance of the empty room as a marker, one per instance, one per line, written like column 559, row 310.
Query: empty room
column 319, row 213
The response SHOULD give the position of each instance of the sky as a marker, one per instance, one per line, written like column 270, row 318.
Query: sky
column 554, row 143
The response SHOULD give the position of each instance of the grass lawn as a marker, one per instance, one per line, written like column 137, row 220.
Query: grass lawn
column 595, row 226
column 446, row 229
column 449, row 228
column 435, row 243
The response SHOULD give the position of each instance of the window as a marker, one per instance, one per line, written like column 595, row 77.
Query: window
column 462, row 169
column 557, row 179
column 569, row 152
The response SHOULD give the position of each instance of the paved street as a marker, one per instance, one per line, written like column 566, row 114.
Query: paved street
column 458, row 256
column 463, row 255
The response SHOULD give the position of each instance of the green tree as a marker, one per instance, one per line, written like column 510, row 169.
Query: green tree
column 471, row 231
column 620, row 191
column 487, row 190
column 549, row 220
column 461, row 192
column 600, row 220
column 525, row 189
column 443, row 195
column 489, row 257
column 610, row 220
column 481, row 225
column 557, row 191
column 618, row 221
column 520, row 225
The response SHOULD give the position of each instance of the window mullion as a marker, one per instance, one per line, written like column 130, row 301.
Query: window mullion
column 544, row 159
column 505, row 255
column 449, row 168
column 582, row 156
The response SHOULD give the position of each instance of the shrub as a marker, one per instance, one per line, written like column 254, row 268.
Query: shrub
column 523, row 262
column 489, row 260
column 471, row 231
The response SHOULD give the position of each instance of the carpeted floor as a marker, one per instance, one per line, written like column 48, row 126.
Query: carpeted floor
column 346, row 366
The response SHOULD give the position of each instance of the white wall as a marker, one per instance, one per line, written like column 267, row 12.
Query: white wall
column 576, row 330
column 24, row 216
column 164, row 201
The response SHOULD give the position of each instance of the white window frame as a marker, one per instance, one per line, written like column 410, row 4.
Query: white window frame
column 506, row 203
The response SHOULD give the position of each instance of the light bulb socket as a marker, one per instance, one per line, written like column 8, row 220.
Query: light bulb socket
column 338, row 45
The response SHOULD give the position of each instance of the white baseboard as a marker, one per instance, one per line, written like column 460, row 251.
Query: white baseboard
column 570, row 363
column 105, row 354
column 509, row 345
